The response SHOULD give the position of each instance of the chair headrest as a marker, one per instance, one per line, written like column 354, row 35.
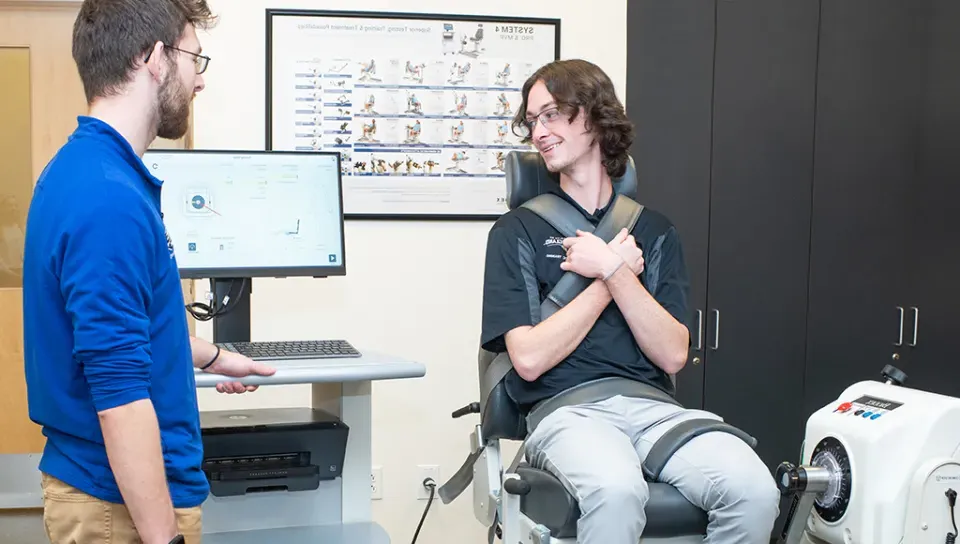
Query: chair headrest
column 527, row 177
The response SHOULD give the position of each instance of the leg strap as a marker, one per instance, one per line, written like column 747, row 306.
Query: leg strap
column 683, row 432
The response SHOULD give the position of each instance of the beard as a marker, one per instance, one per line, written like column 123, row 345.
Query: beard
column 173, row 109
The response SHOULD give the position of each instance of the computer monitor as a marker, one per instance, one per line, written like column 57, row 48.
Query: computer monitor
column 246, row 214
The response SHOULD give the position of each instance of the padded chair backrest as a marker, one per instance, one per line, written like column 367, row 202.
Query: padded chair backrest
column 527, row 177
column 500, row 417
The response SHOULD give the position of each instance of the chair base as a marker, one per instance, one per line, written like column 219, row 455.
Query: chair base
column 532, row 533
column 518, row 528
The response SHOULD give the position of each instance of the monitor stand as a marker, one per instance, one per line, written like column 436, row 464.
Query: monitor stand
column 339, row 511
column 233, row 326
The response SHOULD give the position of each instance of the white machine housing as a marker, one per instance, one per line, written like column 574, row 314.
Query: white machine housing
column 903, row 447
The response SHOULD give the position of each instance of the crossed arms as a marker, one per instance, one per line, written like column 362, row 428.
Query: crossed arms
column 615, row 268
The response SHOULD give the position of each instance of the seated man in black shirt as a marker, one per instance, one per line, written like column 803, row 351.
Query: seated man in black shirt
column 628, row 323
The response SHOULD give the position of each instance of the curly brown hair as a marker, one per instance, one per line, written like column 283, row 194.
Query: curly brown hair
column 576, row 84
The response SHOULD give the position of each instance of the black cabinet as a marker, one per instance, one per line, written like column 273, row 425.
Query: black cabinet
column 670, row 82
column 759, row 220
column 865, row 154
column 723, row 97
column 933, row 296
column 884, row 266
column 809, row 154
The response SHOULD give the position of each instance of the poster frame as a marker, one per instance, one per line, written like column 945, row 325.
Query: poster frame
column 271, row 13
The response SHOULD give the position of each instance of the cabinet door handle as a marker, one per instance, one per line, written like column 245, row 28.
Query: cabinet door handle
column 716, row 330
column 900, row 341
column 916, row 320
column 699, row 345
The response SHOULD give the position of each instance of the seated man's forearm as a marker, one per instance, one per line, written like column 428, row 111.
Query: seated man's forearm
column 132, row 439
column 659, row 335
column 535, row 350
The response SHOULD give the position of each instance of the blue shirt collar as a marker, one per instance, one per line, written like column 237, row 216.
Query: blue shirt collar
column 93, row 127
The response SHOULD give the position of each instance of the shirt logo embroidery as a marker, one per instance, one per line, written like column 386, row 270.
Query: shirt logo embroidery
column 553, row 241
column 169, row 242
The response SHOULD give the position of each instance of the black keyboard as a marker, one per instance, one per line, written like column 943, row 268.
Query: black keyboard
column 293, row 349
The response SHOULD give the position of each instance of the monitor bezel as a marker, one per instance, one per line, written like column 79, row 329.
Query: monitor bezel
column 264, row 271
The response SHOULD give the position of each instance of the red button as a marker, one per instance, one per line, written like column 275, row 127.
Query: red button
column 844, row 407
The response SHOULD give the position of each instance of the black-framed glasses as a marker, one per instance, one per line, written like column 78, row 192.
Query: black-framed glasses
column 200, row 61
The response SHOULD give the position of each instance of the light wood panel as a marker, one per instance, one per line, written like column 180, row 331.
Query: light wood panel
column 16, row 183
column 42, row 30
column 17, row 172
column 56, row 98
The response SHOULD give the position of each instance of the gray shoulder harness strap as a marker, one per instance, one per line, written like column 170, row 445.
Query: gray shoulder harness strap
column 623, row 214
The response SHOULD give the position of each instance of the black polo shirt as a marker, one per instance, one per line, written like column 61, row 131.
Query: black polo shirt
column 523, row 259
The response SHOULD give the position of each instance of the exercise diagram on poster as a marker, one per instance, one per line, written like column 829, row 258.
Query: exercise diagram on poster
column 421, row 110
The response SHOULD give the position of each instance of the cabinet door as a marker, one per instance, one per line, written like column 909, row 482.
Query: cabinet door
column 670, row 55
column 760, row 219
column 864, row 163
column 934, row 262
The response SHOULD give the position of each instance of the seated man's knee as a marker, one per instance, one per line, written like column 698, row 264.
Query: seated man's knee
column 623, row 491
column 750, row 490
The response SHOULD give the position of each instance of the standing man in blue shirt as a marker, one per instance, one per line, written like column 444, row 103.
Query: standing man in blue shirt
column 107, row 349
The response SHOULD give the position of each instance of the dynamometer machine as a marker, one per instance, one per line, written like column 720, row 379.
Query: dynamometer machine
column 881, row 465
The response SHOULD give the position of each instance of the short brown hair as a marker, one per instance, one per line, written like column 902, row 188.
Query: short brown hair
column 111, row 36
column 576, row 84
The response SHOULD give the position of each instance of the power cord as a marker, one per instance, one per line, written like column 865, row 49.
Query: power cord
column 206, row 312
column 952, row 501
column 428, row 483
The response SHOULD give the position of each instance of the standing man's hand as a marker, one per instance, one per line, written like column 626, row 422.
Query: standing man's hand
column 238, row 366
column 625, row 245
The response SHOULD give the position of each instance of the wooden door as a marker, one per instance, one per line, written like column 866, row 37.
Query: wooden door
column 40, row 98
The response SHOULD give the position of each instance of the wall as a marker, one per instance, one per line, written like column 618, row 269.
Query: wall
column 412, row 288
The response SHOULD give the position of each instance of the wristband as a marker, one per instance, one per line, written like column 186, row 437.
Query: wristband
column 614, row 271
column 215, row 357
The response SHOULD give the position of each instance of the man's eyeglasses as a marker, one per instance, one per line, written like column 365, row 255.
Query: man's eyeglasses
column 545, row 118
column 200, row 61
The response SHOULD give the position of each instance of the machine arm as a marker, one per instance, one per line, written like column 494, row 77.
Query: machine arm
column 805, row 483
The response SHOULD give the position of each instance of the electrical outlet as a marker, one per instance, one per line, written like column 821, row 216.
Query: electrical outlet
column 376, row 483
column 424, row 472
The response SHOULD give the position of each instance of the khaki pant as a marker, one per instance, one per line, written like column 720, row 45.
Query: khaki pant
column 73, row 517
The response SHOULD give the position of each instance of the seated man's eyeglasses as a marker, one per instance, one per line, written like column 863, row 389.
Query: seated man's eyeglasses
column 545, row 117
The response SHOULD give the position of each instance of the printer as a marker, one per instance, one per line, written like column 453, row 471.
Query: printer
column 271, row 449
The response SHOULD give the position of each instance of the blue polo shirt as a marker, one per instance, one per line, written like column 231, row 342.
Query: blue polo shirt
column 103, row 315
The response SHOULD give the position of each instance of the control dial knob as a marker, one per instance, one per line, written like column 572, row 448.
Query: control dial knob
column 894, row 375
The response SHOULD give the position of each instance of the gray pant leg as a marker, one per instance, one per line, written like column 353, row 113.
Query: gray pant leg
column 588, row 449
column 715, row 471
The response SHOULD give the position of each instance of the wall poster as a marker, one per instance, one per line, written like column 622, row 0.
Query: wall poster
column 419, row 106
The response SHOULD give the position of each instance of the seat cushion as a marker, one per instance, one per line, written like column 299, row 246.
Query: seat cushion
column 668, row 512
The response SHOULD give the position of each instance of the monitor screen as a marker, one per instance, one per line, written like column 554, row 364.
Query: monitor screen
column 252, row 213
